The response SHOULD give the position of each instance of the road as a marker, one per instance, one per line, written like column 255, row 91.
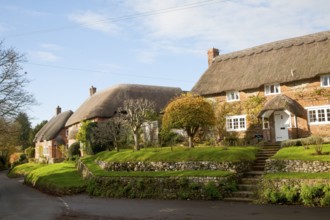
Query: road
column 18, row 201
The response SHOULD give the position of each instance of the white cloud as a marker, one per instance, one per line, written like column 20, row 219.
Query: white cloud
column 49, row 46
column 45, row 56
column 229, row 25
column 95, row 21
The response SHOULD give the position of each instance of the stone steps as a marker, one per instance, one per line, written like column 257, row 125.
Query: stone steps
column 247, row 185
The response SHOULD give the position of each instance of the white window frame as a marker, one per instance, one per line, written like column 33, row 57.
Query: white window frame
column 325, row 78
column 322, row 115
column 230, row 123
column 277, row 89
column 232, row 96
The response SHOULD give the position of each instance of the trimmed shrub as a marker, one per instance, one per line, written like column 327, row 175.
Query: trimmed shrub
column 30, row 152
column 74, row 150
column 312, row 140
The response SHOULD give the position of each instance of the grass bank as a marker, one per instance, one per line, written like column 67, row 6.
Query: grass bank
column 24, row 169
column 57, row 179
column 181, row 154
column 300, row 153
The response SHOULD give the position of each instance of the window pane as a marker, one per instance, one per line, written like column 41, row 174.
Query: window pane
column 321, row 115
column 242, row 122
column 236, row 96
column 235, row 121
column 272, row 89
column 267, row 89
column 312, row 116
column 328, row 114
column 229, row 124
column 277, row 90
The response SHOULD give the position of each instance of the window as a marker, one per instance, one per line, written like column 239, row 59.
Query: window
column 236, row 123
column 232, row 96
column 325, row 81
column 272, row 89
column 319, row 115
column 265, row 122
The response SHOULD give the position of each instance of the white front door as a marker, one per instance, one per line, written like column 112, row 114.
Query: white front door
column 281, row 125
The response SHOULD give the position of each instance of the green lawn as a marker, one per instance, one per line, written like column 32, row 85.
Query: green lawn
column 60, row 178
column 96, row 170
column 23, row 169
column 299, row 153
column 297, row 176
column 181, row 154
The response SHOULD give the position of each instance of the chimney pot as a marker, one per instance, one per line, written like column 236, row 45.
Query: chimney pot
column 92, row 90
column 211, row 54
column 58, row 110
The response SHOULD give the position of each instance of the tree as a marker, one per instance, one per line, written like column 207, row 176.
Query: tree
column 8, row 141
column 135, row 113
column 111, row 132
column 190, row 113
column 36, row 129
column 24, row 131
column 13, row 96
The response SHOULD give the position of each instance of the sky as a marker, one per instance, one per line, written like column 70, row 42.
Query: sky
column 71, row 45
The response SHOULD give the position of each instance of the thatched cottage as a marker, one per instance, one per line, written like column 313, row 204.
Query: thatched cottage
column 51, row 136
column 104, row 104
column 291, row 78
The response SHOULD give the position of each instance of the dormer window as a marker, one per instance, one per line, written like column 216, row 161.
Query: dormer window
column 232, row 96
column 325, row 81
column 272, row 89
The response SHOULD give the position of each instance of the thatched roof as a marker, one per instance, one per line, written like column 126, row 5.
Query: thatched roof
column 51, row 129
column 278, row 62
column 104, row 104
column 282, row 102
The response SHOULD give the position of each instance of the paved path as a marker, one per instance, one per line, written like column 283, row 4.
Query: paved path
column 18, row 201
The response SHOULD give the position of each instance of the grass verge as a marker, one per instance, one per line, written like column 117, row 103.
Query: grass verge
column 57, row 179
column 297, row 176
column 300, row 153
column 23, row 169
column 181, row 154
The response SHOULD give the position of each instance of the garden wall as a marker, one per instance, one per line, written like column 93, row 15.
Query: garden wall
column 158, row 187
column 162, row 187
column 274, row 166
column 237, row 167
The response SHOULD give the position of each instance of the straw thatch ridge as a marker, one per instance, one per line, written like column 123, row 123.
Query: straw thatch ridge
column 283, row 102
column 51, row 129
column 278, row 62
column 104, row 104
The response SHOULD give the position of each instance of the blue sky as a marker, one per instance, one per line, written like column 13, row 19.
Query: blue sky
column 72, row 45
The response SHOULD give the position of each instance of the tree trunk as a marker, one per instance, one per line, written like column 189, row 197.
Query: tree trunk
column 190, row 141
column 136, row 141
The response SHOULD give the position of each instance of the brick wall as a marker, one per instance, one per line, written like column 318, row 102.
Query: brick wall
column 305, row 92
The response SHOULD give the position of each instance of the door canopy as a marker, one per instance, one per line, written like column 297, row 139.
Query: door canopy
column 281, row 103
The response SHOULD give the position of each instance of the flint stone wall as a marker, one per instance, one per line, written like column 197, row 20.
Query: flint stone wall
column 275, row 166
column 237, row 167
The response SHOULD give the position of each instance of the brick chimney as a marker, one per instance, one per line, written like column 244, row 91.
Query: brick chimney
column 92, row 90
column 211, row 54
column 58, row 110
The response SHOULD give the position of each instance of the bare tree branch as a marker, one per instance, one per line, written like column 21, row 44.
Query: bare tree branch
column 13, row 95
